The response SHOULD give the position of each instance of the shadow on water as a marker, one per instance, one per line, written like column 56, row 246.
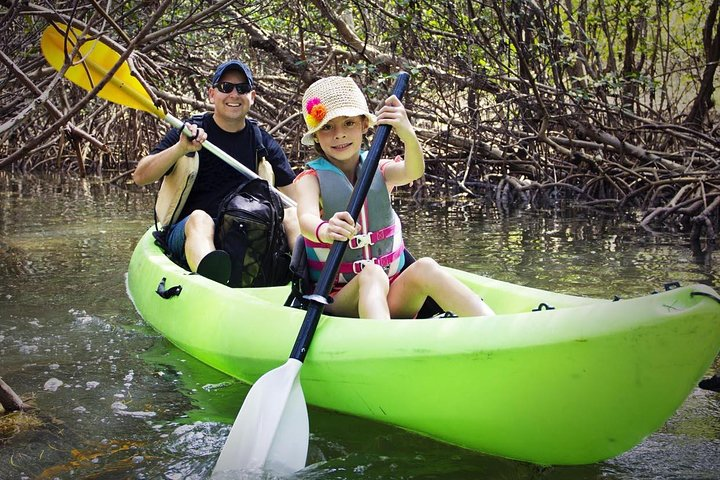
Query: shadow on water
column 118, row 401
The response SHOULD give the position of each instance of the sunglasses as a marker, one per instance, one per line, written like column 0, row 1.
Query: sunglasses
column 227, row 87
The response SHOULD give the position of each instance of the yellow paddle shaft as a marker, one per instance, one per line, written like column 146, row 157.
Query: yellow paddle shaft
column 92, row 65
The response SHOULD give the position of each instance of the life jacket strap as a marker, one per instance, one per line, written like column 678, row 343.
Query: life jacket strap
column 371, row 238
column 358, row 265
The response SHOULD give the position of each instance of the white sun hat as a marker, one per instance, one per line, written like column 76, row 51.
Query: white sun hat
column 329, row 98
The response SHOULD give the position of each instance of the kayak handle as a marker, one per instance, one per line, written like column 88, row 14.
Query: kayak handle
column 168, row 292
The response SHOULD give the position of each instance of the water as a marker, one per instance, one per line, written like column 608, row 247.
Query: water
column 117, row 401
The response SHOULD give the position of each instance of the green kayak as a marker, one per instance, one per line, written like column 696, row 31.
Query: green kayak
column 552, row 379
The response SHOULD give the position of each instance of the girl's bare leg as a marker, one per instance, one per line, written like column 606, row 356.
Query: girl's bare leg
column 425, row 278
column 364, row 296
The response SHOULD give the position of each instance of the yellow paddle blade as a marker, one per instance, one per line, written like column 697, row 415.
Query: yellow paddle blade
column 92, row 65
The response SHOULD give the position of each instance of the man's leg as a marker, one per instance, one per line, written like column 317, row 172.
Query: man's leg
column 199, row 237
column 200, row 252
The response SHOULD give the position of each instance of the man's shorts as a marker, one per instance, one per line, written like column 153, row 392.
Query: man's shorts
column 176, row 242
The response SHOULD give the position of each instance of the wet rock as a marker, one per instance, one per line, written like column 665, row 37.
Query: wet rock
column 53, row 384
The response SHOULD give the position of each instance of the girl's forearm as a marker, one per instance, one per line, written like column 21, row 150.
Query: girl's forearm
column 414, row 159
column 311, row 226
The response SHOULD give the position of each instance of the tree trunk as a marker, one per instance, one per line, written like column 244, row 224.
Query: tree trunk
column 711, row 41
column 9, row 400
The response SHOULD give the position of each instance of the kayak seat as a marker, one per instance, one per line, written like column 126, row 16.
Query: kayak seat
column 301, row 285
column 161, row 241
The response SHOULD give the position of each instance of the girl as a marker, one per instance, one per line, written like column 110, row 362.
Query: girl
column 371, row 281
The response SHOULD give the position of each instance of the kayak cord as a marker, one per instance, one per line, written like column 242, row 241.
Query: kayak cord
column 543, row 306
column 705, row 294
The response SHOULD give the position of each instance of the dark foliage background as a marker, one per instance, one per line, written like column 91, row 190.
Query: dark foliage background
column 609, row 103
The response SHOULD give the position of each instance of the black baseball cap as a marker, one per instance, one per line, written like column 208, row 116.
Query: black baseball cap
column 233, row 65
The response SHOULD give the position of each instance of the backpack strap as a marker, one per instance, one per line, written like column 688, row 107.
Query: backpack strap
column 260, row 150
column 262, row 166
column 198, row 119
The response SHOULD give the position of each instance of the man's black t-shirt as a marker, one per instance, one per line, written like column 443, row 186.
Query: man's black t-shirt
column 215, row 178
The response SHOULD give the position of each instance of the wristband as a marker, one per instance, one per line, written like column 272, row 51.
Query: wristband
column 317, row 230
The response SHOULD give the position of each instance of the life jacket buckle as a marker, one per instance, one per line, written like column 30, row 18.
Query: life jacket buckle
column 358, row 265
column 360, row 241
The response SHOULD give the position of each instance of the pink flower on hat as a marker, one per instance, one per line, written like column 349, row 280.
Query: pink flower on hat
column 315, row 112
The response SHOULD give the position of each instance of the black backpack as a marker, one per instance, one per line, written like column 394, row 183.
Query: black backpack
column 250, row 229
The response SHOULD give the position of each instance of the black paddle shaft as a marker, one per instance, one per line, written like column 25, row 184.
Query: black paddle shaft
column 357, row 199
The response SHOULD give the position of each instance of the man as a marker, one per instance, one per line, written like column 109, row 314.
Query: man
column 191, row 238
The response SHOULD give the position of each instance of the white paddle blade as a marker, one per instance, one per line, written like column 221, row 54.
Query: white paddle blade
column 271, row 431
